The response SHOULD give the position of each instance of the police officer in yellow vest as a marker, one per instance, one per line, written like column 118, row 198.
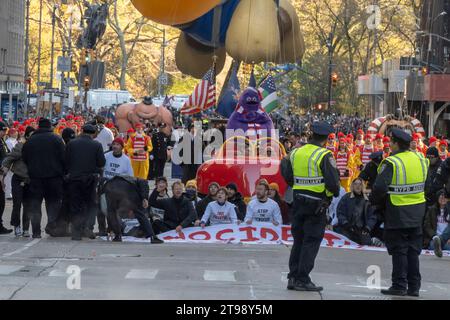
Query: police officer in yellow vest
column 400, row 188
column 312, row 173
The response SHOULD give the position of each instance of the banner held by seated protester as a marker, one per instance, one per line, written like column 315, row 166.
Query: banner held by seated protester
column 261, row 233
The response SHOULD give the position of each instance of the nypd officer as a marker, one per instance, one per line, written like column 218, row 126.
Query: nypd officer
column 400, row 188
column 311, row 172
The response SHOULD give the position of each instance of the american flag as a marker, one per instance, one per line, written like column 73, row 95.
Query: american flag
column 204, row 95
column 268, row 91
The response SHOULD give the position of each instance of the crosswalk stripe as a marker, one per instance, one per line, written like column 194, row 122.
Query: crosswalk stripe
column 8, row 269
column 219, row 275
column 142, row 274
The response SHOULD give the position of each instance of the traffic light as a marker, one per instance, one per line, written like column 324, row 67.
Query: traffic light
column 424, row 71
column 87, row 82
column 335, row 79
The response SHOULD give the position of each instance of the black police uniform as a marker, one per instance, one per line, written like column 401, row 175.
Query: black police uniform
column 308, row 227
column 370, row 171
column 159, row 142
column 403, row 231
column 85, row 160
column 442, row 178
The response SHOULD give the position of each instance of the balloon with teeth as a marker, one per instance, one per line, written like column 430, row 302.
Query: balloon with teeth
column 251, row 31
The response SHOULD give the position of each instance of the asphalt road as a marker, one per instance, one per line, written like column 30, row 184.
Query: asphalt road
column 46, row 269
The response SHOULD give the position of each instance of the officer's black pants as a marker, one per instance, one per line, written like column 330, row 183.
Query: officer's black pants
column 50, row 189
column 308, row 231
column 159, row 165
column 160, row 226
column 405, row 246
column 82, row 201
column 19, row 189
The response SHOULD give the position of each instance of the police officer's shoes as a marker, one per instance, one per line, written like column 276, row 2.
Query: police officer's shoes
column 311, row 287
column 393, row 292
column 414, row 293
column 437, row 246
column 291, row 284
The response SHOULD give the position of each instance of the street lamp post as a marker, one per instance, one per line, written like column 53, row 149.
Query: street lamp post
column 430, row 40
column 52, row 59
column 329, row 43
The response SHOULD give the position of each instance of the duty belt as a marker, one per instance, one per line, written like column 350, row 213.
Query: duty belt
column 309, row 181
column 407, row 189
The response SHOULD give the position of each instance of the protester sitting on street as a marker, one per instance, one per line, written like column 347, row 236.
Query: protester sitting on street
column 179, row 212
column 44, row 156
column 355, row 217
column 161, row 187
column 274, row 194
column 220, row 211
column 191, row 192
column 263, row 209
column 436, row 230
column 202, row 204
column 19, row 183
column 235, row 197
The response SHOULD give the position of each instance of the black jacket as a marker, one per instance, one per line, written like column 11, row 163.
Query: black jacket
column 348, row 209
column 370, row 173
column 44, row 155
column 176, row 211
column 241, row 207
column 442, row 179
column 202, row 204
column 3, row 150
column 329, row 171
column 395, row 217
column 432, row 172
column 84, row 156
column 159, row 142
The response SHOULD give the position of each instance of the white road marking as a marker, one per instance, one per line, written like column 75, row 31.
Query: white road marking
column 61, row 273
column 25, row 247
column 142, row 274
column 284, row 276
column 253, row 265
column 360, row 286
column 8, row 269
column 252, row 293
column 216, row 275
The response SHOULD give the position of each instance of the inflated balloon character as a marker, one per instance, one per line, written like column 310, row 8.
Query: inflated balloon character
column 251, row 31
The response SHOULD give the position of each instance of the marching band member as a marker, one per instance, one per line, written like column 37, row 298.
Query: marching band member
column 138, row 148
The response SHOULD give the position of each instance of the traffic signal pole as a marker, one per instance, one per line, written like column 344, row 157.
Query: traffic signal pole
column 330, row 69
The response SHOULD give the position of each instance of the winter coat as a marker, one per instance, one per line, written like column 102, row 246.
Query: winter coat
column 241, row 207
column 347, row 209
column 430, row 224
column 176, row 211
column 15, row 162
column 44, row 155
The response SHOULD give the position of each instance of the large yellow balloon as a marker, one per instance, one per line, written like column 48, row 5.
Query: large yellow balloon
column 174, row 12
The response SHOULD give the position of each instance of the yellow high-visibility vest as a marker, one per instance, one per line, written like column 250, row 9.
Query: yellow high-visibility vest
column 408, row 179
column 306, row 168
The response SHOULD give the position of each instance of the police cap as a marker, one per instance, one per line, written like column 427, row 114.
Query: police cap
column 401, row 135
column 376, row 155
column 322, row 128
column 89, row 129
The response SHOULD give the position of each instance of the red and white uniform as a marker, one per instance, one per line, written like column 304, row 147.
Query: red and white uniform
column 342, row 162
column 139, row 144
column 444, row 155
column 365, row 154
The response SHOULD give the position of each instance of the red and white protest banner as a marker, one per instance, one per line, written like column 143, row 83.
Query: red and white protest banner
column 262, row 233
